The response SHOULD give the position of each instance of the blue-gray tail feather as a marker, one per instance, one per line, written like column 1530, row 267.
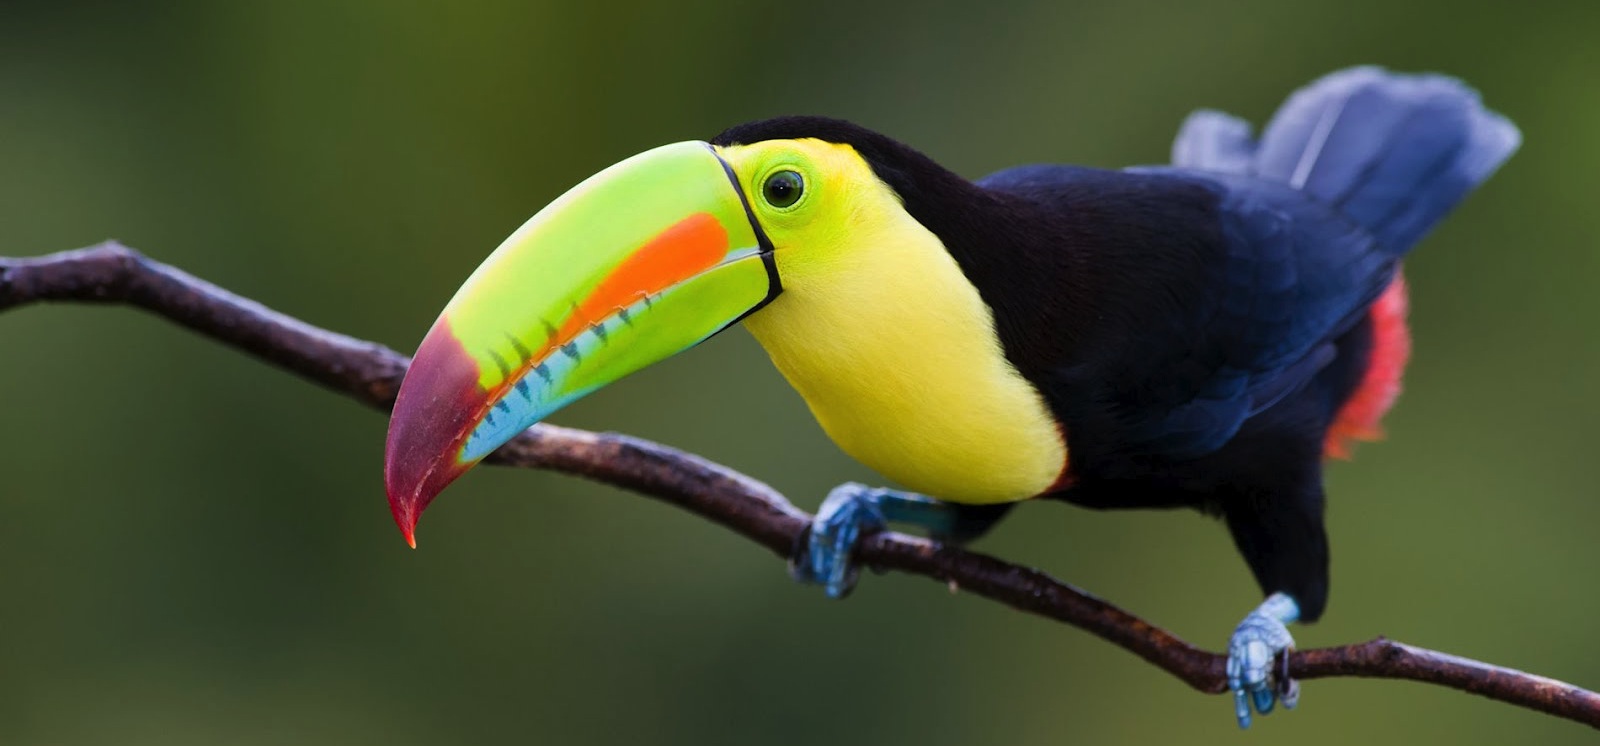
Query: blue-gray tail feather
column 1392, row 152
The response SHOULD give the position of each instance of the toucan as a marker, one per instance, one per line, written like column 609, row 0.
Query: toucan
column 1202, row 334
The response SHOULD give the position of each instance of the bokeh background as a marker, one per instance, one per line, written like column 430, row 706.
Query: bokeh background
column 195, row 547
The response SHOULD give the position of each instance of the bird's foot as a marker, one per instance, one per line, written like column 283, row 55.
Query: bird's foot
column 1254, row 647
column 850, row 512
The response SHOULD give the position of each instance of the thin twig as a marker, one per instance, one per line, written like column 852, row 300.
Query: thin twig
column 371, row 374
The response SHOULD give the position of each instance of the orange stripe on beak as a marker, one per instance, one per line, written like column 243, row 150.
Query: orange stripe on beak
column 691, row 246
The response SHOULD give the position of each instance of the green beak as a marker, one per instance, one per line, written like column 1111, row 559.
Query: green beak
column 638, row 263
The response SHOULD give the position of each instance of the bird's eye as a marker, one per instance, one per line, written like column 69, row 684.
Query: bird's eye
column 783, row 188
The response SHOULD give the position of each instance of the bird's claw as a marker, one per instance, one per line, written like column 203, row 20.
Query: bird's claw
column 824, row 553
column 1252, row 650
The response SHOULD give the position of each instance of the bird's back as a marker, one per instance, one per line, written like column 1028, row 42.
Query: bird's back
column 1252, row 261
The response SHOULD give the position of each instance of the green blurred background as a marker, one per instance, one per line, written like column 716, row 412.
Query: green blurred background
column 196, row 547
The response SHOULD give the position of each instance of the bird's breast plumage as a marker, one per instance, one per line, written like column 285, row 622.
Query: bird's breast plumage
column 897, row 357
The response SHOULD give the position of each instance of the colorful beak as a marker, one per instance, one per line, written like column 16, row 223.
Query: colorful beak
column 638, row 263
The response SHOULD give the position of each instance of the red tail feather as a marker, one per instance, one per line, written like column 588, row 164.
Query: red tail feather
column 1362, row 413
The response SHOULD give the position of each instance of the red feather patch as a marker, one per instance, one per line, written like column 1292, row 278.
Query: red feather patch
column 1362, row 413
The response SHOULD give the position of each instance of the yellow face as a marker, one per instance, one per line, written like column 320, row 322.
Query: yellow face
column 837, row 192
column 879, row 330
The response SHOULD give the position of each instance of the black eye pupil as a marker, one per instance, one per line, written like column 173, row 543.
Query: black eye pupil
column 783, row 188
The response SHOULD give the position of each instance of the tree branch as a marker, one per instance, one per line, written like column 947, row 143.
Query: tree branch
column 371, row 373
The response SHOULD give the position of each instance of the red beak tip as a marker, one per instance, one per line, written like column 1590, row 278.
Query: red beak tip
column 405, row 518
column 408, row 527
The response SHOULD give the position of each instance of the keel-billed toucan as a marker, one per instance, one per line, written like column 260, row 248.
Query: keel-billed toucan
column 1202, row 334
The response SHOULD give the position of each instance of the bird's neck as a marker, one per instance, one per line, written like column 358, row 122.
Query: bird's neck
column 896, row 353
column 1034, row 267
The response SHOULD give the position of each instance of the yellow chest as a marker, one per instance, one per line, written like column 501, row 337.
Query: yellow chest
column 896, row 355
